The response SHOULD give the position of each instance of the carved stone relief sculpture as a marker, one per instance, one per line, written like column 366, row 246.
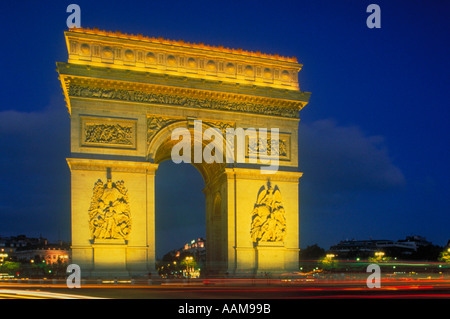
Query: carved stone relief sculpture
column 268, row 216
column 109, row 213
column 271, row 147
column 108, row 134
column 181, row 100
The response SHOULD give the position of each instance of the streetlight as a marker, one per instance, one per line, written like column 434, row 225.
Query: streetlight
column 329, row 260
column 3, row 256
column 379, row 254
column 188, row 259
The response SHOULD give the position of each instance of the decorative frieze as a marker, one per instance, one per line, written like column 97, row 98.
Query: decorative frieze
column 208, row 101
column 156, row 123
column 222, row 126
column 102, row 132
column 270, row 147
column 108, row 134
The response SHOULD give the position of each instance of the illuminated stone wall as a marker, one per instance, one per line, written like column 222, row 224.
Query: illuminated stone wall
column 126, row 95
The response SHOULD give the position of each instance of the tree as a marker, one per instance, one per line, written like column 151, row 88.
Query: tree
column 313, row 252
column 173, row 266
column 445, row 256
column 10, row 267
column 429, row 253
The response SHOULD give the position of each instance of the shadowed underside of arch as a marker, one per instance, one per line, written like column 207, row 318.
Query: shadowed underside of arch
column 208, row 171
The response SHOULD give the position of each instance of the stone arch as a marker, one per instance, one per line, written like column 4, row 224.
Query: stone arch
column 123, row 112
column 160, row 147
column 159, row 150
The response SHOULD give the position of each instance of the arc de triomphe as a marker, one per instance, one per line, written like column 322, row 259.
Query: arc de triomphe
column 127, row 95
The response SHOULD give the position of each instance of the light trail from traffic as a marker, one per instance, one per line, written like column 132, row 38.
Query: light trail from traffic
column 227, row 289
column 34, row 294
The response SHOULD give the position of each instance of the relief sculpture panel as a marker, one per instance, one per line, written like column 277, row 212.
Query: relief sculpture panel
column 268, row 216
column 109, row 213
column 108, row 133
column 270, row 147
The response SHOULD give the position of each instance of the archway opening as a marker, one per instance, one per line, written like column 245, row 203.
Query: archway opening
column 193, row 192
column 180, row 230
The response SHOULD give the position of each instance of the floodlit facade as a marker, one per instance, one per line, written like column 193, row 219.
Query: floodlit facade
column 127, row 95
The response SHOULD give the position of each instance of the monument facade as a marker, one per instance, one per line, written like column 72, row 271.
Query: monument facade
column 127, row 95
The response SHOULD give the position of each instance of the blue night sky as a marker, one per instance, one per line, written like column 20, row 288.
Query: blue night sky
column 374, row 139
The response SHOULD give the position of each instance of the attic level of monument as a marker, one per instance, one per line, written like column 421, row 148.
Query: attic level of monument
column 160, row 56
column 181, row 43
column 117, row 67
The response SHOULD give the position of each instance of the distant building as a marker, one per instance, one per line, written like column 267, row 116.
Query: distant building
column 50, row 254
column 25, row 249
column 367, row 248
column 355, row 248
column 196, row 248
column 9, row 245
column 413, row 242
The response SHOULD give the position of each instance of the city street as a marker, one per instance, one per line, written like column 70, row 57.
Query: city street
column 225, row 299
column 227, row 289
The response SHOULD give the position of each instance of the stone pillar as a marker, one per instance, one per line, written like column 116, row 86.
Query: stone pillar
column 150, row 220
column 262, row 221
column 105, row 241
column 216, row 227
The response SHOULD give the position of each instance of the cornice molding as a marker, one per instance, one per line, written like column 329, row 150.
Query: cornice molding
column 70, row 70
column 75, row 87
column 255, row 174
column 117, row 166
